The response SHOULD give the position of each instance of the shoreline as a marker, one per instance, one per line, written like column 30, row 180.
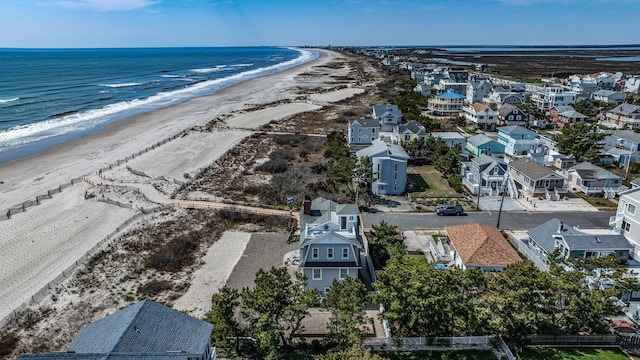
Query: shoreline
column 43, row 245
column 25, row 178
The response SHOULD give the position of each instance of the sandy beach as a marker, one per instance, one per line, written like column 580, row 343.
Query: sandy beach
column 36, row 246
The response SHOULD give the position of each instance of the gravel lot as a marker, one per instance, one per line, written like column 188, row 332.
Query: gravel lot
column 264, row 251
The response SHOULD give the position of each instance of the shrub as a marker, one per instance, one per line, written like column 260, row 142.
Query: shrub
column 174, row 255
column 289, row 139
column 155, row 287
column 274, row 166
column 8, row 342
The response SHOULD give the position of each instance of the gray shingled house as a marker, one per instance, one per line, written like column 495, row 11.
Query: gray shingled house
column 534, row 179
column 575, row 244
column 330, row 243
column 146, row 330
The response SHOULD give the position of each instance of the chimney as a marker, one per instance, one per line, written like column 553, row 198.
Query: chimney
column 307, row 205
column 560, row 227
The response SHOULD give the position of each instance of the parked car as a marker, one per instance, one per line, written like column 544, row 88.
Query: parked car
column 449, row 210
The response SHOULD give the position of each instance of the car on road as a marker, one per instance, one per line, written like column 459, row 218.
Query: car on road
column 449, row 210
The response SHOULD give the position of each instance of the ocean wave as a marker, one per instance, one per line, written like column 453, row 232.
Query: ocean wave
column 86, row 120
column 211, row 70
column 119, row 85
column 243, row 65
column 4, row 101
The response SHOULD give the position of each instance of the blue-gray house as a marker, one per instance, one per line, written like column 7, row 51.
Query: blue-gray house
column 389, row 167
column 146, row 330
column 482, row 144
column 330, row 243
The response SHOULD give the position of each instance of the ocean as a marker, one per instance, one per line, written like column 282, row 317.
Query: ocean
column 48, row 96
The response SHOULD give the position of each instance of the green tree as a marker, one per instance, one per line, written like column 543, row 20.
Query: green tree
column 580, row 140
column 275, row 308
column 449, row 162
column 385, row 243
column 340, row 162
column 223, row 317
column 346, row 302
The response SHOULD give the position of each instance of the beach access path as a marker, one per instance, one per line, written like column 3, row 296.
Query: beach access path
column 38, row 246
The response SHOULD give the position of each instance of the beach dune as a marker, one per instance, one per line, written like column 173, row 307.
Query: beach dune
column 36, row 246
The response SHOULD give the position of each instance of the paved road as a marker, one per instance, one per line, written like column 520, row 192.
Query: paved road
column 512, row 220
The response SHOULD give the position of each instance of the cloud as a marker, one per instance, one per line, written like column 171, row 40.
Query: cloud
column 108, row 5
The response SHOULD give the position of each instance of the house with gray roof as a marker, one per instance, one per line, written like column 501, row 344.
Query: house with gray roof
column 482, row 144
column 533, row 179
column 146, row 330
column 389, row 116
column 575, row 244
column 519, row 141
column 408, row 132
column 623, row 145
column 332, row 245
column 362, row 132
column 591, row 179
column 511, row 115
column 623, row 116
column 609, row 96
column 485, row 174
column 451, row 138
column 389, row 167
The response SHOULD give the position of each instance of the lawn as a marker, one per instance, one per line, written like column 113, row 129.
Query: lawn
column 439, row 355
column 598, row 202
column 534, row 353
column 428, row 182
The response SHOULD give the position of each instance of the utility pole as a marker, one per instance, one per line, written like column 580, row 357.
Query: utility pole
column 504, row 188
column 479, row 187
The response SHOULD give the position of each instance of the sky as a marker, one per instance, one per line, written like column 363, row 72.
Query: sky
column 162, row 23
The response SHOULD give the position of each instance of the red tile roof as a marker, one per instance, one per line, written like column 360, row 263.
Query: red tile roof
column 481, row 245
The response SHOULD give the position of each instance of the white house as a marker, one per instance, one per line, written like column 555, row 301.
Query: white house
column 608, row 96
column 481, row 115
column 552, row 96
column 627, row 218
column 477, row 89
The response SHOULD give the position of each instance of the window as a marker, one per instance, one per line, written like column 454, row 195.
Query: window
column 343, row 223
column 326, row 291
column 314, row 253
column 625, row 226
column 373, row 131
column 345, row 253
column 359, row 130
column 330, row 253
column 317, row 274
column 631, row 209
column 344, row 273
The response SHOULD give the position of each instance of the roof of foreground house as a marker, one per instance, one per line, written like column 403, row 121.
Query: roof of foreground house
column 380, row 110
column 515, row 130
column 543, row 233
column 626, row 109
column 321, row 209
column 379, row 148
column 597, row 242
column 481, row 245
column 450, row 94
column 146, row 330
column 479, row 140
column 366, row 122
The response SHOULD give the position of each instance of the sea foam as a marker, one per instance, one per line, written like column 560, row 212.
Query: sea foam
column 86, row 120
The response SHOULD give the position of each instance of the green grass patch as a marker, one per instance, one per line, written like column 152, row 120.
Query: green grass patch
column 599, row 202
column 417, row 258
column 417, row 183
column 434, row 184
column 439, row 355
column 533, row 353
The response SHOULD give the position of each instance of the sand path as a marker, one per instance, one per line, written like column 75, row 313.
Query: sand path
column 38, row 245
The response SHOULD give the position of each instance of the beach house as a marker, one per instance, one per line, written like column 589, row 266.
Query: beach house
column 362, row 132
column 448, row 103
column 146, row 330
column 331, row 243
column 533, row 179
column 485, row 174
column 482, row 144
column 479, row 246
column 389, row 167
column 408, row 132
column 511, row 115
column 518, row 141
column 626, row 221
column 551, row 96
column 481, row 115
column 574, row 244
column 388, row 115
column 591, row 179
column 622, row 116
